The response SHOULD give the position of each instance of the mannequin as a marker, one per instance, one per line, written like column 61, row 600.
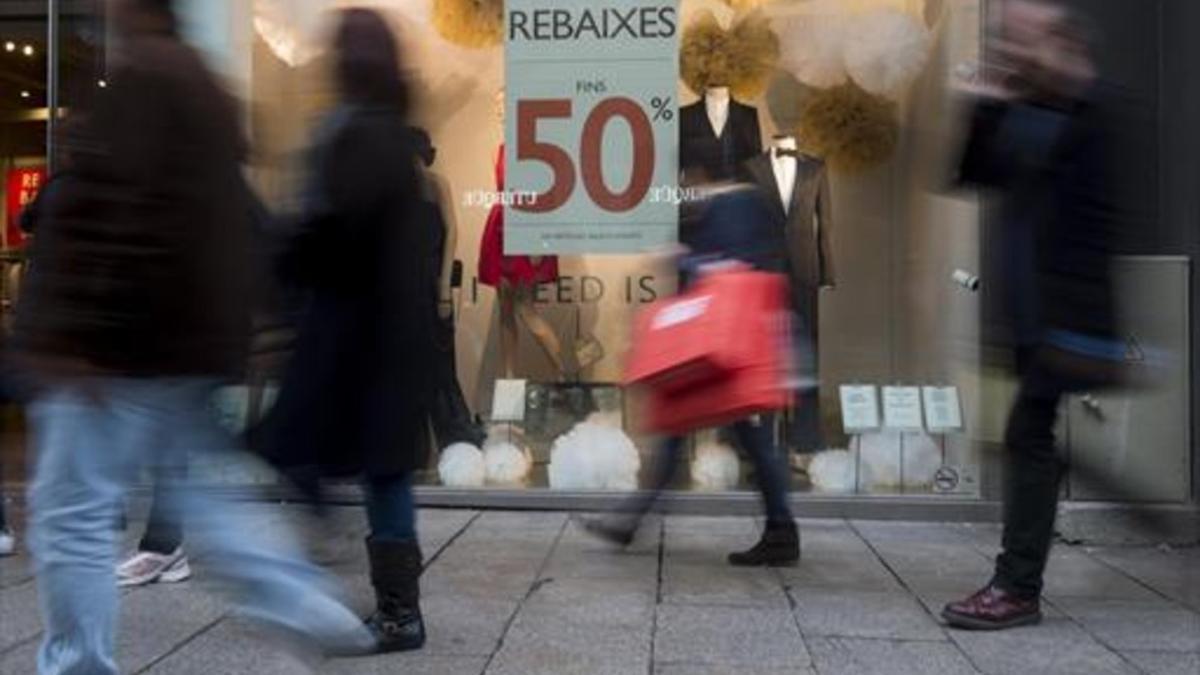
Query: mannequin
column 515, row 279
column 798, row 187
column 449, row 414
column 718, row 133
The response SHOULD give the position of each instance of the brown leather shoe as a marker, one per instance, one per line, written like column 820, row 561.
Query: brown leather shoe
column 993, row 609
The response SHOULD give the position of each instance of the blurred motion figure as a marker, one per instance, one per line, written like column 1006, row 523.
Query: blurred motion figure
column 1041, row 137
column 134, row 313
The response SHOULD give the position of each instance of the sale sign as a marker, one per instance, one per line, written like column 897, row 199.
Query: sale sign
column 590, row 125
column 20, row 189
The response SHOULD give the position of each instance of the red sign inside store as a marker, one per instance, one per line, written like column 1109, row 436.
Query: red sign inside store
column 22, row 187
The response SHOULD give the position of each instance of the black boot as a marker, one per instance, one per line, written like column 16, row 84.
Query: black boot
column 779, row 547
column 395, row 571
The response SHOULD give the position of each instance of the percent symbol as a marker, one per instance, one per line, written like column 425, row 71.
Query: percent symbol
column 662, row 108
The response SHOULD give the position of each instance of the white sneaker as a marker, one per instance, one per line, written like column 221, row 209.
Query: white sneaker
column 146, row 568
column 8, row 542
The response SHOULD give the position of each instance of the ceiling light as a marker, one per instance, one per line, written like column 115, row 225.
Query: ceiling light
column 10, row 46
column 102, row 84
column 24, row 94
column 28, row 50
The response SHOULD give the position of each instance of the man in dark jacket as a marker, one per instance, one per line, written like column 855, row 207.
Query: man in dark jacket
column 1041, row 137
column 133, row 315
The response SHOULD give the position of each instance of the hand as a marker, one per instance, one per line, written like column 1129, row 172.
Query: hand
column 978, row 81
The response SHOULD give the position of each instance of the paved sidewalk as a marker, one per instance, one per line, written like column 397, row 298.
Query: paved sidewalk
column 530, row 593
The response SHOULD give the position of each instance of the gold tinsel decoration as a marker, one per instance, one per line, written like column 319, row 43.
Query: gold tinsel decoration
column 848, row 128
column 742, row 58
column 470, row 23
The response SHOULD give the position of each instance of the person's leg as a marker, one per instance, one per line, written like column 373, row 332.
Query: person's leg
column 621, row 528
column 780, row 543
column 396, row 564
column 449, row 414
column 271, row 580
column 1034, row 473
column 84, row 464
column 164, row 528
column 804, row 434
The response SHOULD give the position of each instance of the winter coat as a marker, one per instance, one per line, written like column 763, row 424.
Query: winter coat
column 355, row 396
column 141, row 258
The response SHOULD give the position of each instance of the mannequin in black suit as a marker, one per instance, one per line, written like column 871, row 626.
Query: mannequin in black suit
column 718, row 134
column 797, row 186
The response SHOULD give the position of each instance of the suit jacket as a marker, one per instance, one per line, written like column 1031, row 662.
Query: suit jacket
column 807, row 226
column 720, row 156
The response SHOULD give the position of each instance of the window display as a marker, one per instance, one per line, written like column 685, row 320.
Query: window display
column 832, row 111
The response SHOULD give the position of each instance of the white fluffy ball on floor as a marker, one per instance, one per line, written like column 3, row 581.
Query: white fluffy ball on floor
column 715, row 467
column 594, row 456
column 832, row 471
column 461, row 465
column 506, row 464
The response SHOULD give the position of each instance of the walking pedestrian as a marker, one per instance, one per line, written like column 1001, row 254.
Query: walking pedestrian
column 132, row 316
column 1041, row 136
column 355, row 398
column 731, row 223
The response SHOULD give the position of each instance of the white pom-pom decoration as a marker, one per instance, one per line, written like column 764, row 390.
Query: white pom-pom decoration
column 812, row 47
column 715, row 467
column 832, row 471
column 886, row 51
column 506, row 464
column 461, row 465
column 594, row 457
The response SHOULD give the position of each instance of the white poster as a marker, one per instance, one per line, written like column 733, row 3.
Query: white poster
column 860, row 408
column 943, row 409
column 902, row 408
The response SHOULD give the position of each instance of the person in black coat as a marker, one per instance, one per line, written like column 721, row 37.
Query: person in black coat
column 1041, row 137
column 355, row 398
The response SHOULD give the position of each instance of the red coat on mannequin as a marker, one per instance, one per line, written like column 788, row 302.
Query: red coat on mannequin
column 494, row 266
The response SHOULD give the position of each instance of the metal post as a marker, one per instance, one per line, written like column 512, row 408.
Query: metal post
column 51, row 83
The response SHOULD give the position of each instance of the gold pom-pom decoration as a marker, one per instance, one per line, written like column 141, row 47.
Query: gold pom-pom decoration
column 754, row 56
column 742, row 58
column 746, row 5
column 848, row 128
column 470, row 23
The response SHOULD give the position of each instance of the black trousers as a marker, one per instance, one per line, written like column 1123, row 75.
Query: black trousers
column 164, row 527
column 449, row 414
column 1034, row 473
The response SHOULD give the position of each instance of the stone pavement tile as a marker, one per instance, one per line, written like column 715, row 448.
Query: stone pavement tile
column 22, row 659
column 702, row 669
column 852, row 656
column 408, row 663
column 512, row 662
column 754, row 638
column 1057, row 646
column 706, row 547
column 16, row 569
column 1175, row 572
column 601, row 602
column 860, row 571
column 603, row 565
column 150, row 628
column 935, row 582
column 1165, row 663
column 488, row 580
column 881, row 532
column 19, row 618
column 1074, row 574
column 464, row 625
column 721, row 584
column 943, row 559
column 232, row 647
column 892, row 616
column 555, row 634
column 732, row 525
column 515, row 526
column 1146, row 626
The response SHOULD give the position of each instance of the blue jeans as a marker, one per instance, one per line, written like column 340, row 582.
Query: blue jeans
column 92, row 438
column 391, row 510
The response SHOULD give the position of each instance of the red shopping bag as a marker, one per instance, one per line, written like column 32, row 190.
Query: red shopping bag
column 747, row 380
column 699, row 336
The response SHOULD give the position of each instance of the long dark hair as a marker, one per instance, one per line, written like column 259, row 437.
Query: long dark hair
column 367, row 61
